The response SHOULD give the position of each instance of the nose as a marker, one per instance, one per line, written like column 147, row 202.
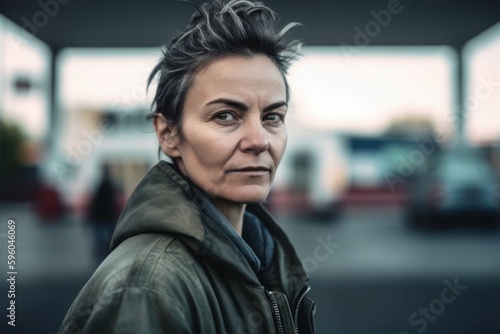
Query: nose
column 255, row 137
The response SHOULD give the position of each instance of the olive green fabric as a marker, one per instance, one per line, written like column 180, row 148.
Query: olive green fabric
column 172, row 270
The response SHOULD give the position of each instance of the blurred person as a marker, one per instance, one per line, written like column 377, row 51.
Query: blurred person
column 194, row 251
column 103, row 213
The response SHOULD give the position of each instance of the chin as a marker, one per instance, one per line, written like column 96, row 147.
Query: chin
column 247, row 196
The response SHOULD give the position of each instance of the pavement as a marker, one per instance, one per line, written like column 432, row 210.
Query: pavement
column 369, row 272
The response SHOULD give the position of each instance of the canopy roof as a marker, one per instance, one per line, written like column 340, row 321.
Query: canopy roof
column 150, row 23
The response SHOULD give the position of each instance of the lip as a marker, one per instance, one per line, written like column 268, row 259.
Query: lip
column 252, row 170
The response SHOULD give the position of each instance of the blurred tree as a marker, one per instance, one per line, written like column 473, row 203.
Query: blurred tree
column 410, row 126
column 11, row 141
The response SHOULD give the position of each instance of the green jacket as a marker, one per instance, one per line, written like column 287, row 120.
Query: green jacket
column 173, row 269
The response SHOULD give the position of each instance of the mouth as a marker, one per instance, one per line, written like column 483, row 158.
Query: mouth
column 254, row 169
column 251, row 170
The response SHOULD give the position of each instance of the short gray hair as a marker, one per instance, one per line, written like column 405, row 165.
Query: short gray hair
column 216, row 30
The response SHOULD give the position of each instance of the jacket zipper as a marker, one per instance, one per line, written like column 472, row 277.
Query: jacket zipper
column 276, row 313
column 297, row 309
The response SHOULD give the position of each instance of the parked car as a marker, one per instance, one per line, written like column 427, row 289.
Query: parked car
column 456, row 186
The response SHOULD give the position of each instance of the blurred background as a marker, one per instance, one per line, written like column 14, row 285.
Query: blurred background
column 389, row 187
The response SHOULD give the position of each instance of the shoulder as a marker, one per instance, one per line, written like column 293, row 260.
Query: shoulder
column 151, row 264
column 157, row 262
column 151, row 273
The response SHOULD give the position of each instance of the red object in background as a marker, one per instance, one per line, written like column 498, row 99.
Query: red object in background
column 49, row 204
column 376, row 195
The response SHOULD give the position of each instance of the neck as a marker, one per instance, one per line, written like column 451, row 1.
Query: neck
column 233, row 212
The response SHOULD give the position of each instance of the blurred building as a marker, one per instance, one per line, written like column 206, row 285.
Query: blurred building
column 102, row 106
column 313, row 173
column 24, row 107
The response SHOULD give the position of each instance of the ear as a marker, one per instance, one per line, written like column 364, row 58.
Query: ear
column 167, row 136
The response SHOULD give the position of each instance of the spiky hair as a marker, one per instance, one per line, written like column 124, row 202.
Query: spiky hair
column 218, row 29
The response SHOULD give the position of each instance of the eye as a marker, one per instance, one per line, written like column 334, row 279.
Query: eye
column 274, row 118
column 225, row 116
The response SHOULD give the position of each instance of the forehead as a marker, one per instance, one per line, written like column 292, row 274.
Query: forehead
column 240, row 75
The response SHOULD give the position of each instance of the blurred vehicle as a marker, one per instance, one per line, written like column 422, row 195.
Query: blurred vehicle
column 312, row 176
column 456, row 186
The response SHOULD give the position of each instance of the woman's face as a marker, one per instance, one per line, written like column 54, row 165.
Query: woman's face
column 233, row 132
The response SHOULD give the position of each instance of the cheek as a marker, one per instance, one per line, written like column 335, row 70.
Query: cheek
column 205, row 151
column 279, row 146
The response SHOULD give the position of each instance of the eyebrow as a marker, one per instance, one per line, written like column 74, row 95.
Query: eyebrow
column 242, row 106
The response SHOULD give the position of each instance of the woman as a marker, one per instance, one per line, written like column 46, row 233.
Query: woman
column 194, row 251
